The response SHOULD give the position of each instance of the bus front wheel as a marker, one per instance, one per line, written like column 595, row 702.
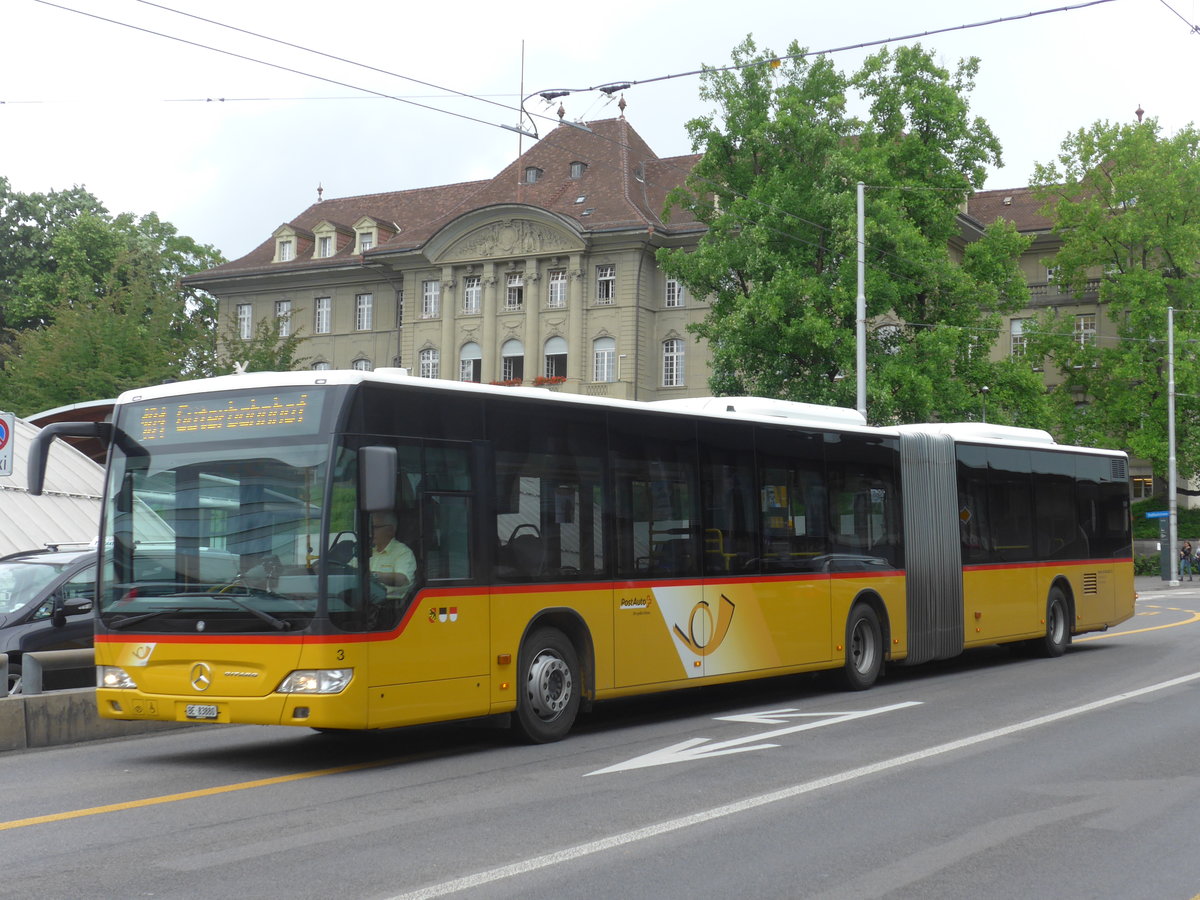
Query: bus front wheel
column 548, row 669
column 864, row 648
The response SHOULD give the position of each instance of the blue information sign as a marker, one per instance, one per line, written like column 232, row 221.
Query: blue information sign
column 1158, row 514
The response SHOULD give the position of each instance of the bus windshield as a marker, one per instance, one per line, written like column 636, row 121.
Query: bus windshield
column 244, row 538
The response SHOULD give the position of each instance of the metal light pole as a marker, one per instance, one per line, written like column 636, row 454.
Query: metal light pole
column 1172, row 519
column 860, row 311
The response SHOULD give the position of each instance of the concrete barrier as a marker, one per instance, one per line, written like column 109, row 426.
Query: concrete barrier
column 63, row 717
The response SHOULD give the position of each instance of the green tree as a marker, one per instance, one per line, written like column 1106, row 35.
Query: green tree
column 1125, row 200
column 776, row 189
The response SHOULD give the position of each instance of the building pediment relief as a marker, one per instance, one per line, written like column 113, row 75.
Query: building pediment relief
column 508, row 238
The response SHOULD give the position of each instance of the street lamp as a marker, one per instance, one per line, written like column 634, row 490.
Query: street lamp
column 983, row 393
column 1172, row 512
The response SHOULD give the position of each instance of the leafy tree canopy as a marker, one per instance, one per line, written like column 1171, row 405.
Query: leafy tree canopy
column 1125, row 200
column 93, row 304
column 776, row 189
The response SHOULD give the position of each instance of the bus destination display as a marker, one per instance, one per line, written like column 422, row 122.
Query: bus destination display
column 275, row 413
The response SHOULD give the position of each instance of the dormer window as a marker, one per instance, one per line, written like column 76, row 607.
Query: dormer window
column 577, row 169
column 366, row 240
column 369, row 232
column 532, row 174
column 331, row 238
column 290, row 242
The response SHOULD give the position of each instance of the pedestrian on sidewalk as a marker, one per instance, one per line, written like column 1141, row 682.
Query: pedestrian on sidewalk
column 1187, row 560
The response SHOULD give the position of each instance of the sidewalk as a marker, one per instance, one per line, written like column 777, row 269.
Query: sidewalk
column 1145, row 584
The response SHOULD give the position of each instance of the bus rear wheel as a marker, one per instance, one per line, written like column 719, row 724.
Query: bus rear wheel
column 864, row 648
column 1058, row 625
column 548, row 669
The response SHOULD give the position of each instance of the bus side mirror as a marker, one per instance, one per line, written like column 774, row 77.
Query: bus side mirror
column 377, row 478
column 39, row 447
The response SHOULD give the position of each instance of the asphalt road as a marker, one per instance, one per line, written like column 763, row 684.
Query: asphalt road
column 987, row 776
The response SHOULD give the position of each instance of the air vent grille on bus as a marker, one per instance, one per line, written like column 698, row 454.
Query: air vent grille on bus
column 1120, row 470
column 1090, row 583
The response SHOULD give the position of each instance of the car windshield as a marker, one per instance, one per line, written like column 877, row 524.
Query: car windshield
column 21, row 580
column 244, row 525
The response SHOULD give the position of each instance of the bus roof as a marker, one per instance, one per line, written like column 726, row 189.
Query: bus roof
column 758, row 409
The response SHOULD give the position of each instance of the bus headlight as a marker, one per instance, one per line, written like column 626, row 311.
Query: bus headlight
column 113, row 677
column 316, row 681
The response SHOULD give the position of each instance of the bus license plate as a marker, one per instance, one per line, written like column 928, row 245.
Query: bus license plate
column 201, row 711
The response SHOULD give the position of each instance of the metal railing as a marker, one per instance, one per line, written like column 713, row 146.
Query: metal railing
column 34, row 665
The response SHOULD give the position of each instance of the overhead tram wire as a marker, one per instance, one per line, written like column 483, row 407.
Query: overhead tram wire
column 609, row 87
column 282, row 68
column 336, row 58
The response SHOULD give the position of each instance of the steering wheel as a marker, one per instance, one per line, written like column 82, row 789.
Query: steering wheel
column 529, row 525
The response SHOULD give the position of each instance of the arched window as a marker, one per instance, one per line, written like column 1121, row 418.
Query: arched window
column 555, row 353
column 361, row 365
column 672, row 363
column 512, row 360
column 470, row 362
column 604, row 359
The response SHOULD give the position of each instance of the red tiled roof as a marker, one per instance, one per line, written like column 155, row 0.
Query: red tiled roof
column 624, row 185
column 1019, row 205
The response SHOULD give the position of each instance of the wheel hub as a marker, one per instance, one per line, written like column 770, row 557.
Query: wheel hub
column 549, row 685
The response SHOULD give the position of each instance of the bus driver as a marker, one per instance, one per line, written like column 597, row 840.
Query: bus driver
column 392, row 562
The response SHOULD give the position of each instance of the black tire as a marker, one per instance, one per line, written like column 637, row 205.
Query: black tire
column 1058, row 625
column 548, row 687
column 864, row 649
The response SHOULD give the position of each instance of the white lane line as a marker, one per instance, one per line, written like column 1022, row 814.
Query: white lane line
column 568, row 854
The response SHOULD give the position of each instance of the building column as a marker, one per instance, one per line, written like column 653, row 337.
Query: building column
column 489, row 305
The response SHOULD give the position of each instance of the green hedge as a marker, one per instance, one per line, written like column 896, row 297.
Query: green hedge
column 1147, row 529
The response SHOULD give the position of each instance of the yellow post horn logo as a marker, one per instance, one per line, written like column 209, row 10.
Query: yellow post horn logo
column 704, row 635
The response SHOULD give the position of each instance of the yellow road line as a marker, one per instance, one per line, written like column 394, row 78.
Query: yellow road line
column 1195, row 617
column 188, row 795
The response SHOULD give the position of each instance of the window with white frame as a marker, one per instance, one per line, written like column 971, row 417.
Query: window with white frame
column 431, row 299
column 430, row 363
column 532, row 174
column 578, row 168
column 283, row 313
column 672, row 362
column 366, row 240
column 557, row 279
column 361, row 365
column 321, row 315
column 1085, row 329
column 604, row 359
column 514, row 297
column 674, row 292
column 363, row 305
column 555, row 354
column 321, row 367
column 470, row 362
column 606, row 283
column 512, row 360
column 1142, row 486
column 286, row 250
column 245, row 321
column 472, row 301
column 1016, row 338
column 324, row 246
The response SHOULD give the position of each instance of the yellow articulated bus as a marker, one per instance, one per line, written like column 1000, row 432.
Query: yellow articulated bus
column 364, row 550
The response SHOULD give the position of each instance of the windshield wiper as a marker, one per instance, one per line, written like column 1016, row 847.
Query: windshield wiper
column 132, row 620
column 277, row 624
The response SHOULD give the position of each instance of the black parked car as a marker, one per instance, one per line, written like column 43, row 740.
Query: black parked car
column 46, row 599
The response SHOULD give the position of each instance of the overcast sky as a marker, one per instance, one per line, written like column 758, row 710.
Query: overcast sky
column 138, row 118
